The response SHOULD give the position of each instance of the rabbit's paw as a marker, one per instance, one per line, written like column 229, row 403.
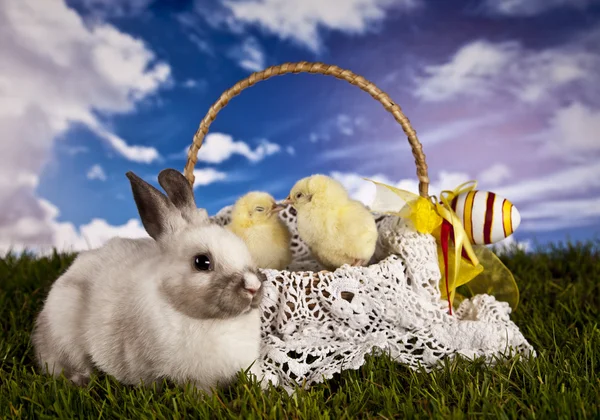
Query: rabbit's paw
column 256, row 373
column 80, row 379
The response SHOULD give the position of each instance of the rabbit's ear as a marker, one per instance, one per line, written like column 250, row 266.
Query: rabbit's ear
column 181, row 194
column 178, row 189
column 155, row 209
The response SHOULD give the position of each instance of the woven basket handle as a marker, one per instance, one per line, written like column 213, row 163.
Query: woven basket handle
column 320, row 68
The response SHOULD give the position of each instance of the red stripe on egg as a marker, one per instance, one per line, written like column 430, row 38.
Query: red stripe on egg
column 489, row 218
column 504, row 218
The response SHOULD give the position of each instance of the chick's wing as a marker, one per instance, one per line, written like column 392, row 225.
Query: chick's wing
column 357, row 228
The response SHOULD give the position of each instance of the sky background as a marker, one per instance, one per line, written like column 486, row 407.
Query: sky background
column 506, row 92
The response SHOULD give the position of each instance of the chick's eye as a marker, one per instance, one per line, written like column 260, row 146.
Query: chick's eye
column 259, row 209
column 298, row 195
column 202, row 263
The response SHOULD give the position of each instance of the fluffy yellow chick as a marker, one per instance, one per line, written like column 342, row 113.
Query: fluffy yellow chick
column 254, row 219
column 337, row 229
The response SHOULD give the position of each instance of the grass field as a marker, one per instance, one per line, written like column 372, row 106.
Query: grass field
column 559, row 315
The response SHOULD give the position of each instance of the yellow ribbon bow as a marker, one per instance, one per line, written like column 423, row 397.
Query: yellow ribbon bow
column 461, row 263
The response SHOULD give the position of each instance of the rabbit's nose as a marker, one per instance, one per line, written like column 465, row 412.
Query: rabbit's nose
column 251, row 283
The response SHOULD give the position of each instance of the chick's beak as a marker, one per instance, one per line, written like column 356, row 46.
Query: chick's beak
column 277, row 208
column 287, row 201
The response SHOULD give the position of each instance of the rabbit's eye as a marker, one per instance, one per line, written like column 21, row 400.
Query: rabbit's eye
column 259, row 209
column 202, row 263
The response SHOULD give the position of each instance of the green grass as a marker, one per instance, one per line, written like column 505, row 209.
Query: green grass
column 558, row 314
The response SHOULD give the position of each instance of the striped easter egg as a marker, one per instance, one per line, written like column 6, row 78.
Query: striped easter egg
column 486, row 216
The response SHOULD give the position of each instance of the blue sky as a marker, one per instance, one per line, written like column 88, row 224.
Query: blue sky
column 502, row 91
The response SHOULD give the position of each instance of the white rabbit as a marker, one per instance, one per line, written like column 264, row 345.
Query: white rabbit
column 181, row 305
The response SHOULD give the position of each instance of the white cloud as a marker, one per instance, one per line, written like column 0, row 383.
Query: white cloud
column 560, row 82
column 484, row 69
column 96, row 172
column 532, row 7
column 469, row 71
column 454, row 130
column 574, row 130
column 57, row 71
column 74, row 150
column 19, row 180
column 364, row 191
column 52, row 61
column 301, row 21
column 332, row 128
column 508, row 245
column 141, row 154
column 42, row 234
column 345, row 125
column 114, row 8
column 561, row 223
column 314, row 137
column 195, row 30
column 265, row 148
column 357, row 187
column 249, row 55
column 218, row 147
column 575, row 180
column 95, row 234
column 494, row 175
column 199, row 84
column 542, row 204
column 561, row 214
column 202, row 44
column 214, row 14
column 207, row 176
column 459, row 128
column 583, row 207
column 344, row 152
column 290, row 150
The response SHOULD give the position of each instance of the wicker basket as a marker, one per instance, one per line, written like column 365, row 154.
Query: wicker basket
column 315, row 323
column 314, row 68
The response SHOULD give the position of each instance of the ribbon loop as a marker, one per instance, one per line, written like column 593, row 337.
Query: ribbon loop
column 428, row 215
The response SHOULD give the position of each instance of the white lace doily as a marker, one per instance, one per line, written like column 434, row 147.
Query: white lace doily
column 318, row 324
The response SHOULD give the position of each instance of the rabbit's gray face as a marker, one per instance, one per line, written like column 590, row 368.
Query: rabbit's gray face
column 215, row 276
column 209, row 272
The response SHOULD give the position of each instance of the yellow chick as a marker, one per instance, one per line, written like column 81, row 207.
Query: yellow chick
column 337, row 229
column 254, row 219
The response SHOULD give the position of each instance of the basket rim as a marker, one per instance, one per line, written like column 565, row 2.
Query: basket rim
column 313, row 68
